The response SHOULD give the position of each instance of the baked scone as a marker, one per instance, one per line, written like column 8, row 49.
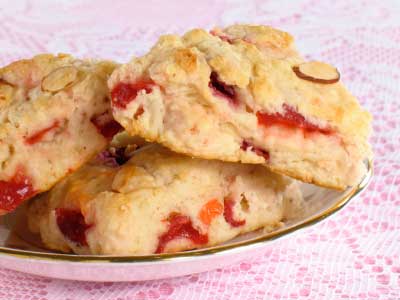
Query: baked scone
column 55, row 115
column 244, row 94
column 157, row 202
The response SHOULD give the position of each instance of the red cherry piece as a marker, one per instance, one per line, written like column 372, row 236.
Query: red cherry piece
column 180, row 227
column 72, row 225
column 139, row 112
column 260, row 152
column 223, row 37
column 15, row 191
column 228, row 214
column 39, row 135
column 124, row 93
column 221, row 89
column 290, row 118
column 106, row 125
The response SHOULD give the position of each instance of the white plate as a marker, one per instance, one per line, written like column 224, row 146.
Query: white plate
column 21, row 251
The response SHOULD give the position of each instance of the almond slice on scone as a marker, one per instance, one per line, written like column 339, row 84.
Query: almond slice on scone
column 159, row 201
column 244, row 94
column 55, row 114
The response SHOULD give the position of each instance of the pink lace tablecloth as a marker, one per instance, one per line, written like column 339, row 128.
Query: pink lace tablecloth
column 353, row 255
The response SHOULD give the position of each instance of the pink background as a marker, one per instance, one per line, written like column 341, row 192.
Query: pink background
column 353, row 255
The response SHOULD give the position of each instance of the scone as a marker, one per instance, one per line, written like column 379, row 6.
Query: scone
column 55, row 115
column 158, row 202
column 244, row 94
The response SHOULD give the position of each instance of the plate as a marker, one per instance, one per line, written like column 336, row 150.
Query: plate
column 21, row 251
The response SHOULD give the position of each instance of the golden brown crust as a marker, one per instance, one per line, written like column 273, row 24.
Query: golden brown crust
column 270, row 40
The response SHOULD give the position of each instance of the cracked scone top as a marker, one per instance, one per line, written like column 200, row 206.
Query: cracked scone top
column 54, row 116
column 159, row 201
column 244, row 94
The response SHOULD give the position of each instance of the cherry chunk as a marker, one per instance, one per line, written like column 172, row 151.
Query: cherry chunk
column 39, row 135
column 180, row 227
column 14, row 191
column 125, row 93
column 72, row 225
column 223, row 90
column 222, row 36
column 290, row 118
column 106, row 125
column 260, row 152
column 228, row 214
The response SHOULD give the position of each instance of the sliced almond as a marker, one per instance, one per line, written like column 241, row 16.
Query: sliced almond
column 6, row 92
column 318, row 72
column 59, row 79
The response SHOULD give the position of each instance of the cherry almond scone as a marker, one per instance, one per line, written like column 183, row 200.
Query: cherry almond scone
column 55, row 115
column 244, row 94
column 157, row 201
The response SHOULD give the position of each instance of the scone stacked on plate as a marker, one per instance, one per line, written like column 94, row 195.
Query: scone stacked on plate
column 158, row 201
column 55, row 115
column 244, row 94
column 232, row 111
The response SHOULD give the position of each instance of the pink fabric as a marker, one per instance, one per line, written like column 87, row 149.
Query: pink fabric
column 353, row 255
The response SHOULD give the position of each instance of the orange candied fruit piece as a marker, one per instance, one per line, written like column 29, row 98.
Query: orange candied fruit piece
column 210, row 210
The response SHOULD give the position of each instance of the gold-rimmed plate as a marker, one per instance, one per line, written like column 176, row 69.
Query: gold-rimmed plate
column 22, row 252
